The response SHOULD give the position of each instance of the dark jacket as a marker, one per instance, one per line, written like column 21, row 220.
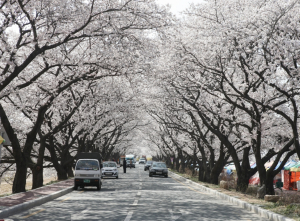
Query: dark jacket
column 124, row 163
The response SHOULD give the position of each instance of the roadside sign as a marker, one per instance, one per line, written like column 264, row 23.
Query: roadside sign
column 1, row 140
column 3, row 134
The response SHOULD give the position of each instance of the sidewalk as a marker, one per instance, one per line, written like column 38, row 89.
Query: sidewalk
column 19, row 202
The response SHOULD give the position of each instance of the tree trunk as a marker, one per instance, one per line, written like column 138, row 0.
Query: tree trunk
column 244, row 175
column 38, row 170
column 19, row 183
column 70, row 172
column 183, row 164
column 201, row 172
column 61, row 172
column 177, row 164
column 269, row 184
column 37, row 176
column 242, row 182
column 218, row 167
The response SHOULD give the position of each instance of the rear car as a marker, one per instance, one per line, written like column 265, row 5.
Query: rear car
column 142, row 160
column 110, row 169
column 158, row 168
column 128, row 164
column 147, row 165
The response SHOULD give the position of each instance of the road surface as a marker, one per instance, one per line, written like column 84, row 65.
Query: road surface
column 134, row 197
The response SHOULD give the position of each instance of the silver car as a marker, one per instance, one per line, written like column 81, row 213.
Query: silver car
column 158, row 168
column 110, row 169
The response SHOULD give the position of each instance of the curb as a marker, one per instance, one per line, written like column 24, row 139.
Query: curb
column 255, row 209
column 37, row 202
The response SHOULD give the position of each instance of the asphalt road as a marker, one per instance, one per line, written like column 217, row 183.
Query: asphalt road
column 135, row 196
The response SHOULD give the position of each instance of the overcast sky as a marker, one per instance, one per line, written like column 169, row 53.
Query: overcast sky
column 178, row 5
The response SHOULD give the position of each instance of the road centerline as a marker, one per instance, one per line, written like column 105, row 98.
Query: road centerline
column 32, row 214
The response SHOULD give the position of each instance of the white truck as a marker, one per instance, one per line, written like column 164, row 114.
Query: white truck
column 88, row 170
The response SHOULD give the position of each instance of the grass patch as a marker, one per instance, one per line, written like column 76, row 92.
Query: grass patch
column 51, row 182
column 6, row 194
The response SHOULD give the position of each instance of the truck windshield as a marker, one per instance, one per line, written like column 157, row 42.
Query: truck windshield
column 87, row 165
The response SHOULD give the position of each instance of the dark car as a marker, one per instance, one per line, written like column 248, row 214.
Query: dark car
column 148, row 165
column 158, row 168
column 128, row 164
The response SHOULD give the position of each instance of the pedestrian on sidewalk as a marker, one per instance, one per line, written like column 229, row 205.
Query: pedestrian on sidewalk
column 124, row 166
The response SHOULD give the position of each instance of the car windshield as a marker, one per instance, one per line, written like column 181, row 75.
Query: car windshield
column 161, row 165
column 87, row 165
column 109, row 165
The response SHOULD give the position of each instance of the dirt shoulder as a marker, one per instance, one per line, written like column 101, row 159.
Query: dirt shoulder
column 6, row 188
column 288, row 206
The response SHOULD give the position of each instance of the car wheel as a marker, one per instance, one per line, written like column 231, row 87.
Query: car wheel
column 81, row 187
column 150, row 175
column 144, row 169
column 99, row 187
column 166, row 176
column 76, row 187
column 117, row 177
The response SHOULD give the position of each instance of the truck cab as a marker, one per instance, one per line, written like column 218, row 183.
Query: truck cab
column 88, row 170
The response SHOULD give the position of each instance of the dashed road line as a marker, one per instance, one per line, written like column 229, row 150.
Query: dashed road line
column 129, row 215
column 64, row 200
column 32, row 214
column 135, row 202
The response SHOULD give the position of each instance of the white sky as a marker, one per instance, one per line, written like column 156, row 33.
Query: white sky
column 178, row 5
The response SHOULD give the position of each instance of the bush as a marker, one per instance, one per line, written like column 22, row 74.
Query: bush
column 252, row 190
column 291, row 199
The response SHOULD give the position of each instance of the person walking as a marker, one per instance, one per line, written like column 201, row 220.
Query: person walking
column 124, row 166
column 130, row 164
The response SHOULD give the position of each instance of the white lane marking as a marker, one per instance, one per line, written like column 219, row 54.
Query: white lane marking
column 139, row 193
column 184, row 212
column 129, row 215
column 141, row 184
column 135, row 202
column 80, row 215
column 173, row 218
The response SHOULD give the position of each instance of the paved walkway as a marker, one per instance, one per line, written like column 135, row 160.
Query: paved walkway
column 14, row 200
